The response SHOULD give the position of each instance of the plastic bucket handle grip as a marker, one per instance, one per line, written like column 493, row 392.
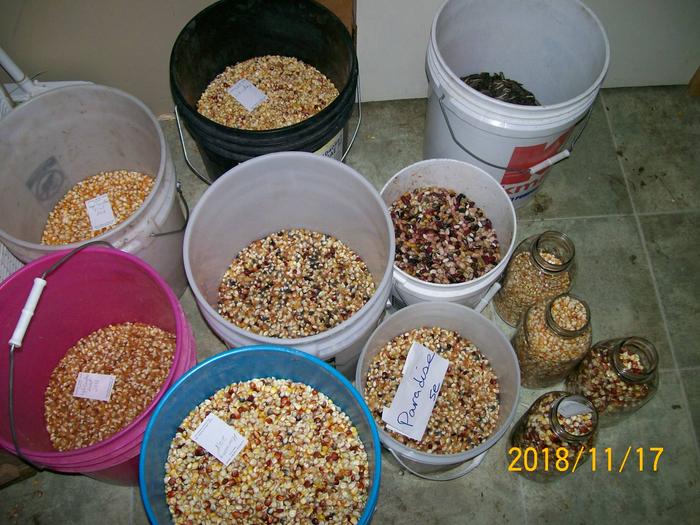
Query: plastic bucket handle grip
column 557, row 157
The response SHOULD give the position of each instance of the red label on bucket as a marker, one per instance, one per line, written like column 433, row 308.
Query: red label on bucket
column 516, row 182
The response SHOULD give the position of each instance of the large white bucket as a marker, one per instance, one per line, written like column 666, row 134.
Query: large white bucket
column 489, row 340
column 478, row 186
column 557, row 49
column 58, row 138
column 281, row 191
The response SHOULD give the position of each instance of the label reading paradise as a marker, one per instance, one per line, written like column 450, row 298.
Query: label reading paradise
column 94, row 386
column 418, row 391
column 219, row 439
column 247, row 94
column 100, row 212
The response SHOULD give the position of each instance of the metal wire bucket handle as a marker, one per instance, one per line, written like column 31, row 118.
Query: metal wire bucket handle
column 194, row 170
column 456, row 473
column 207, row 181
column 178, row 188
column 557, row 157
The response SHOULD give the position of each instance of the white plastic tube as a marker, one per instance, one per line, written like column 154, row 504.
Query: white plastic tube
column 27, row 312
column 551, row 161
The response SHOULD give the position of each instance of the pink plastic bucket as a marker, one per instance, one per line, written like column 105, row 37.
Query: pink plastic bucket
column 96, row 287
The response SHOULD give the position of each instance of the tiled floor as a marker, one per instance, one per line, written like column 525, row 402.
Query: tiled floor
column 627, row 198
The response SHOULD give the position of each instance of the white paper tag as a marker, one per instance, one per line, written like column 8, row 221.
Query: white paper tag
column 219, row 439
column 94, row 386
column 247, row 94
column 100, row 212
column 418, row 391
column 570, row 408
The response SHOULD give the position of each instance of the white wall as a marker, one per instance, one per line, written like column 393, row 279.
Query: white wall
column 652, row 42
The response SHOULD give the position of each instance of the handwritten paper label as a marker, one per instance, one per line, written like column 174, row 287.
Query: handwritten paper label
column 247, row 94
column 94, row 386
column 415, row 398
column 100, row 212
column 219, row 439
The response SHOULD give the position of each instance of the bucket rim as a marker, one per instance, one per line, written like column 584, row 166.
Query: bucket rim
column 309, row 340
column 159, row 178
column 373, row 496
column 460, row 457
column 488, row 276
column 350, row 85
column 455, row 85
column 182, row 337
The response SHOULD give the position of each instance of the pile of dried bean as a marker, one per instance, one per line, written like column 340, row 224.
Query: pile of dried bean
column 69, row 222
column 525, row 283
column 303, row 461
column 597, row 378
column 443, row 237
column 541, row 429
column 294, row 283
column 466, row 411
column 295, row 91
column 548, row 353
column 139, row 355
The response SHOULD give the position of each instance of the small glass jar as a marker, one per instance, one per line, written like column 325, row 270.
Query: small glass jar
column 554, row 435
column 541, row 268
column 618, row 375
column 552, row 339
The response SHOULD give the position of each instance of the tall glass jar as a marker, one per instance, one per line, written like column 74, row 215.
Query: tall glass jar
column 555, row 435
column 541, row 268
column 618, row 375
column 552, row 338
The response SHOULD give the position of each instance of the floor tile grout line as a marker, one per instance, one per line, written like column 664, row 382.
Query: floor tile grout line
column 689, row 368
column 131, row 514
column 668, row 369
column 655, row 285
column 526, row 519
column 668, row 212
column 576, row 217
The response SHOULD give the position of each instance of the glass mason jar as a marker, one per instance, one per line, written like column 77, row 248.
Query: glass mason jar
column 618, row 375
column 541, row 268
column 552, row 338
column 554, row 435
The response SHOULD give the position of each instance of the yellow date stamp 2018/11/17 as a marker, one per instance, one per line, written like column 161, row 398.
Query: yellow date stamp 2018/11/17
column 530, row 459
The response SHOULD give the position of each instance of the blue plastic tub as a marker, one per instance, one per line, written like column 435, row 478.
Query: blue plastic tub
column 243, row 364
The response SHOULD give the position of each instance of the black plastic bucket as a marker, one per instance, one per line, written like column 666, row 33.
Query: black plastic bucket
column 231, row 31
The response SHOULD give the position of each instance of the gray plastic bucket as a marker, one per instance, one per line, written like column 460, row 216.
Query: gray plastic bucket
column 57, row 139
column 489, row 340
column 281, row 191
column 558, row 49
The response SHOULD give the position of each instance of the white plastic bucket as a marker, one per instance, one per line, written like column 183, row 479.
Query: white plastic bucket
column 478, row 186
column 489, row 340
column 58, row 138
column 557, row 49
column 281, row 191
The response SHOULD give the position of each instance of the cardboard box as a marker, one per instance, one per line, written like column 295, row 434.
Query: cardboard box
column 13, row 469
column 344, row 9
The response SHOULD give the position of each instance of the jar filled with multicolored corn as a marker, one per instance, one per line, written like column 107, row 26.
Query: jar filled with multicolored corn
column 541, row 268
column 618, row 375
column 551, row 340
column 554, row 436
